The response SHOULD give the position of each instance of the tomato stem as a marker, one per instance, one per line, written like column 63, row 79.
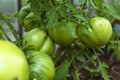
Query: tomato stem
column 97, row 56
column 4, row 33
column 11, row 27
column 73, row 62
column 91, row 60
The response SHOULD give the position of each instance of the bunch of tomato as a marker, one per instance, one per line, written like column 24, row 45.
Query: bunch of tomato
column 40, row 43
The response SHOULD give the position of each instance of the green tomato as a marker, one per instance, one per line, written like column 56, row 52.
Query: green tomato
column 24, row 11
column 96, row 34
column 13, row 63
column 37, row 39
column 30, row 22
column 41, row 66
column 27, row 18
column 60, row 35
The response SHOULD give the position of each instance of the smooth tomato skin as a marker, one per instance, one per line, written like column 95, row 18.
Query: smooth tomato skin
column 37, row 39
column 41, row 66
column 60, row 35
column 13, row 63
column 96, row 34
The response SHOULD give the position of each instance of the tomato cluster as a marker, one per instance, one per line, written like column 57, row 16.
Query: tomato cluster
column 41, row 43
column 94, row 34
column 39, row 47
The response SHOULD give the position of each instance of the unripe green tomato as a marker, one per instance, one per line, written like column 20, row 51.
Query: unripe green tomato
column 60, row 35
column 37, row 39
column 24, row 11
column 41, row 66
column 13, row 63
column 30, row 22
column 96, row 34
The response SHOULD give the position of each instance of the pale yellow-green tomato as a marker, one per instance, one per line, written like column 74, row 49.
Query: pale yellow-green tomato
column 13, row 63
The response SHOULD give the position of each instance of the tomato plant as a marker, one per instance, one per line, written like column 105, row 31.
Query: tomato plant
column 12, row 57
column 60, row 34
column 87, row 48
column 37, row 39
column 96, row 33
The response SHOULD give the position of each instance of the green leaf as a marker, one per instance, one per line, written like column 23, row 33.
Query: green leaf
column 103, row 68
column 97, row 4
column 52, row 19
column 112, row 10
column 85, row 28
column 116, row 4
column 71, row 7
column 62, row 70
column 70, row 27
column 63, row 12
column 117, row 51
column 81, row 55
column 92, row 70
column 81, row 17
column 80, row 58
column 35, row 7
column 94, row 57
column 93, row 4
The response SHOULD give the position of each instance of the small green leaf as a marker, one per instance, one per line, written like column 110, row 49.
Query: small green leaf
column 62, row 70
column 92, row 70
column 115, row 15
column 93, row 4
column 81, row 17
column 80, row 58
column 52, row 19
column 71, row 7
column 85, row 29
column 62, row 12
column 117, row 51
column 94, row 57
column 81, row 55
column 35, row 7
column 97, row 4
column 112, row 10
column 103, row 68
column 70, row 27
